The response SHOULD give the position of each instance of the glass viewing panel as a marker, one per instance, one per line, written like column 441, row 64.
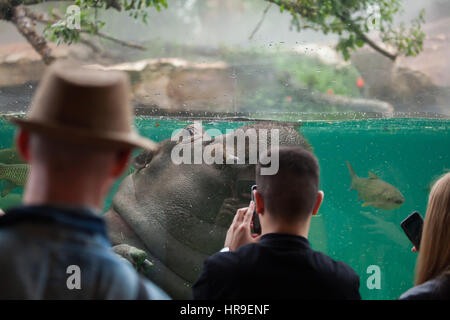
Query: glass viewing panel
column 228, row 64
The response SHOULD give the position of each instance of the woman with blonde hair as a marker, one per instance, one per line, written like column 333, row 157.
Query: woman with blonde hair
column 432, row 280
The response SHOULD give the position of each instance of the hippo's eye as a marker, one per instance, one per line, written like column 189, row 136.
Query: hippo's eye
column 189, row 134
column 142, row 160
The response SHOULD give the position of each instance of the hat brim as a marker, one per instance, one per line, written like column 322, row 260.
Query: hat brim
column 108, row 140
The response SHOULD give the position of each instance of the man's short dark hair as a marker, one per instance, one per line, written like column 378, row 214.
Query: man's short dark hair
column 291, row 193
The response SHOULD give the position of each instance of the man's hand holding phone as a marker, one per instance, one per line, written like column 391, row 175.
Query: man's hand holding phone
column 239, row 232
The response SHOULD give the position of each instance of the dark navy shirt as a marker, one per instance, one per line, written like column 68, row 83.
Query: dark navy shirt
column 278, row 266
column 434, row 289
column 64, row 253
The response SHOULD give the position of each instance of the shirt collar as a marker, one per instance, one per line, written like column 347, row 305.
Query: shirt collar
column 284, row 239
column 82, row 219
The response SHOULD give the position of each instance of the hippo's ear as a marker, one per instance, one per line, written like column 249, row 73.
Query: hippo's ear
column 190, row 133
column 141, row 160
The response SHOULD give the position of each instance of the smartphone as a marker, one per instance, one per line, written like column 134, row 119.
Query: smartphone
column 255, row 219
column 413, row 226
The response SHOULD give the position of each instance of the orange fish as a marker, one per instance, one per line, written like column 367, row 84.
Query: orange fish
column 360, row 82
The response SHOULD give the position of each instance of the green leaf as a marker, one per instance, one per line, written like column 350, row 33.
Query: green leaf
column 360, row 42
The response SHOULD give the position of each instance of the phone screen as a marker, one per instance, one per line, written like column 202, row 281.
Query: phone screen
column 255, row 219
column 413, row 226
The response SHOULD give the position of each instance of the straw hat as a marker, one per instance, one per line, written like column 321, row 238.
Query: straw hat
column 85, row 106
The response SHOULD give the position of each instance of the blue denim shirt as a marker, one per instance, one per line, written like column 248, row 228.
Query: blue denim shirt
column 64, row 253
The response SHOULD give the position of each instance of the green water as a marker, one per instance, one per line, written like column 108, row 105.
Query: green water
column 408, row 153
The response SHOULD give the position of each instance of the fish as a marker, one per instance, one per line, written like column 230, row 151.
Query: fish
column 10, row 156
column 12, row 176
column 375, row 192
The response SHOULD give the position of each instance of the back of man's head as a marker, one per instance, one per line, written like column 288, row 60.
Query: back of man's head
column 291, row 193
column 65, row 172
column 69, row 158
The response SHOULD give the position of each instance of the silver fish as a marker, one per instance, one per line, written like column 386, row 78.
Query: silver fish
column 10, row 156
column 12, row 176
column 375, row 192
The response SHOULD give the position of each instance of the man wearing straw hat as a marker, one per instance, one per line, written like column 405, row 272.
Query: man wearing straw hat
column 77, row 137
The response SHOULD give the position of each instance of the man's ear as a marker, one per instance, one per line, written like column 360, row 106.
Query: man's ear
column 122, row 161
column 319, row 200
column 259, row 203
column 23, row 144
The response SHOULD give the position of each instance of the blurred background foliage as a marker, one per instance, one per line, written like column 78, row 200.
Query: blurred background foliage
column 263, row 39
column 350, row 20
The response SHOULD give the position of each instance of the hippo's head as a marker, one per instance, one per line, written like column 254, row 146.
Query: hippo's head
column 179, row 213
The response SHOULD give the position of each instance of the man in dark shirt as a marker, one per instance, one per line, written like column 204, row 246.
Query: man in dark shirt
column 279, row 263
column 77, row 138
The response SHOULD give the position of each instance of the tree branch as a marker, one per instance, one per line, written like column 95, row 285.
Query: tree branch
column 297, row 7
column 24, row 20
column 43, row 18
column 260, row 21
column 7, row 6
column 95, row 47
column 367, row 40
column 121, row 42
column 25, row 26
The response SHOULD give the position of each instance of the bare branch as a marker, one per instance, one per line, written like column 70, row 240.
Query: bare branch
column 121, row 42
column 95, row 47
column 367, row 40
column 25, row 25
column 260, row 21
column 376, row 47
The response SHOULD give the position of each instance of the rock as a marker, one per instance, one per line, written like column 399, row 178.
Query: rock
column 177, row 84
column 433, row 61
column 406, row 89
column 20, row 63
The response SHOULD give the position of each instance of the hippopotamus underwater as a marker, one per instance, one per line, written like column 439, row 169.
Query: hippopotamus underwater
column 179, row 213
